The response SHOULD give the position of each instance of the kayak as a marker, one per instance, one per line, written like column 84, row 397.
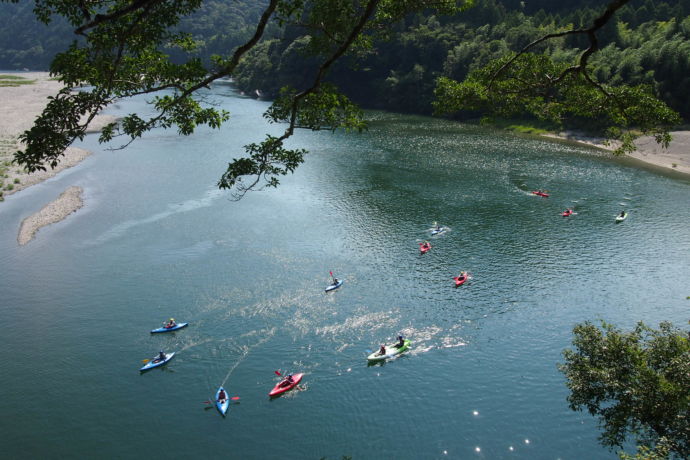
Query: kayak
column 538, row 193
column 621, row 218
column 334, row 286
column 169, row 329
column 439, row 231
column 424, row 248
column 222, row 406
column 283, row 386
column 459, row 281
column 155, row 362
column 391, row 351
column 567, row 213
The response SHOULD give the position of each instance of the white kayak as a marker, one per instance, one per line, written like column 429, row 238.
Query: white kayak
column 334, row 285
column 391, row 351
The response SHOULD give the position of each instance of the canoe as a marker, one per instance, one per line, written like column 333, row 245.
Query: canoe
column 155, row 362
column 459, row 281
column 538, row 193
column 334, row 286
column 176, row 327
column 621, row 218
column 222, row 406
column 282, row 386
column 424, row 248
column 391, row 351
column 567, row 213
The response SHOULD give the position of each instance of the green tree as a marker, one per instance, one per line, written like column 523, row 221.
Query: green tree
column 126, row 48
column 637, row 383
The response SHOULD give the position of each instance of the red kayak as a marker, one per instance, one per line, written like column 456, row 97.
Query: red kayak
column 459, row 280
column 284, row 386
column 567, row 213
column 424, row 247
column 540, row 193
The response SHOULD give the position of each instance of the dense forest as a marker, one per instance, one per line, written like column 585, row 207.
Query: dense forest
column 649, row 42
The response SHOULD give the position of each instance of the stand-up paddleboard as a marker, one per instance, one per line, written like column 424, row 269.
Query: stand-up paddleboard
column 391, row 351
column 176, row 327
column 157, row 362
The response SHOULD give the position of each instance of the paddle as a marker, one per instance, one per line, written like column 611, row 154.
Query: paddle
column 278, row 373
column 234, row 398
column 333, row 277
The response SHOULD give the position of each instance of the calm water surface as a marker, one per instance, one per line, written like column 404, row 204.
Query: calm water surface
column 157, row 239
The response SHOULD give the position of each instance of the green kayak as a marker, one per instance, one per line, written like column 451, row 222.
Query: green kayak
column 391, row 351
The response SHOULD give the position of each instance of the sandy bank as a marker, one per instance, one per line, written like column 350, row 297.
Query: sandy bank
column 19, row 107
column 68, row 202
column 675, row 158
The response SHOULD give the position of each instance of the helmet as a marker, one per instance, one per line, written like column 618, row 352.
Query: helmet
column 400, row 336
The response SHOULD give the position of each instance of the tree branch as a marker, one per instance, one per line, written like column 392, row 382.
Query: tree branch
column 598, row 23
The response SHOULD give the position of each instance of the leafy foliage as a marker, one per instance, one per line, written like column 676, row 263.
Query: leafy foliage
column 334, row 54
column 636, row 382
column 536, row 85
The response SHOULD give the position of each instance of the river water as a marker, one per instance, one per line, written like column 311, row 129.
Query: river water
column 156, row 239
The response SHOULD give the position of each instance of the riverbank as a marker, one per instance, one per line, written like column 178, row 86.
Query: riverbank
column 23, row 96
column 675, row 158
column 21, row 105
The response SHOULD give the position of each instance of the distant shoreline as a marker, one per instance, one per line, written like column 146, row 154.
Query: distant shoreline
column 21, row 105
column 675, row 159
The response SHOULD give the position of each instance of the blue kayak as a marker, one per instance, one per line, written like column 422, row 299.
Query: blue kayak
column 169, row 329
column 334, row 286
column 156, row 362
column 222, row 406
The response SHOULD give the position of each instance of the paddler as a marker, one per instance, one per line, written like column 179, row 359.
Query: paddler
column 401, row 342
column 382, row 350
column 222, row 397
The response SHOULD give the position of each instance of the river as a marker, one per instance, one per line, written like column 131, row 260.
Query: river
column 156, row 239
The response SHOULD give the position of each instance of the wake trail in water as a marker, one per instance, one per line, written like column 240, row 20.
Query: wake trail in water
column 190, row 205
column 245, row 352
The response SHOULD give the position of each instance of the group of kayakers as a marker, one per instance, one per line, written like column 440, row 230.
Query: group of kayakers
column 425, row 246
column 569, row 212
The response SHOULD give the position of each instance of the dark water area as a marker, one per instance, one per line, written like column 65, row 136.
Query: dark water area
column 156, row 239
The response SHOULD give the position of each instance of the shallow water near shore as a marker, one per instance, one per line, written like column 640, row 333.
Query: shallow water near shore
column 156, row 240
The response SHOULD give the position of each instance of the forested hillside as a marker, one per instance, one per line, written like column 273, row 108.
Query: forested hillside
column 648, row 43
column 218, row 27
